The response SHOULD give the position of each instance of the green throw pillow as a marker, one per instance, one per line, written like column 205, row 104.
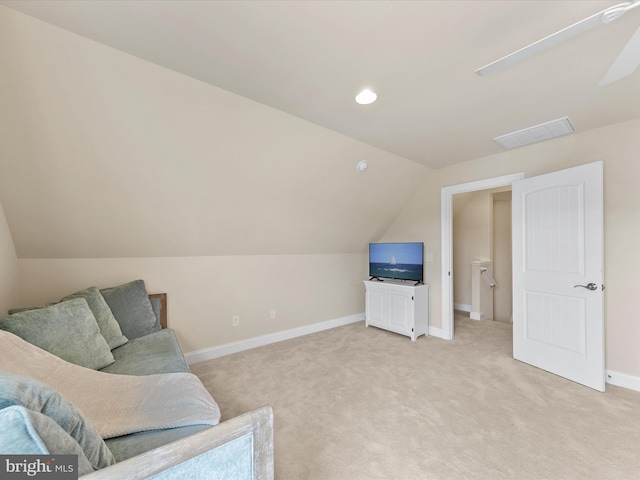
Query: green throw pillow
column 67, row 330
column 25, row 432
column 131, row 306
column 109, row 327
column 26, row 309
column 40, row 397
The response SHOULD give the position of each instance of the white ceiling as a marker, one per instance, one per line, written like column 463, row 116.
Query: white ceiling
column 309, row 58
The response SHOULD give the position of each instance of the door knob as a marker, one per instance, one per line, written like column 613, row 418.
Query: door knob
column 589, row 286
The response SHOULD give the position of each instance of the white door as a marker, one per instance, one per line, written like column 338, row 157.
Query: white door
column 558, row 318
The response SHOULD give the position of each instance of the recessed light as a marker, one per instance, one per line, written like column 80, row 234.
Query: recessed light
column 366, row 96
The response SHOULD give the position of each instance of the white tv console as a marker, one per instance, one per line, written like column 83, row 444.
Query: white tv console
column 397, row 307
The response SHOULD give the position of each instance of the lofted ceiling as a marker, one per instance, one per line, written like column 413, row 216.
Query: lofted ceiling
column 310, row 58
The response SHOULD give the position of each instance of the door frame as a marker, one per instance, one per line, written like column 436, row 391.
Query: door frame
column 446, row 232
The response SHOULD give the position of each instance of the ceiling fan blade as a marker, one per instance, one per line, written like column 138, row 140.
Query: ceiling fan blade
column 626, row 63
column 605, row 16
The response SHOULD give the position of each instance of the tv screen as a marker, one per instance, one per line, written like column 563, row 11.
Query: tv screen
column 402, row 261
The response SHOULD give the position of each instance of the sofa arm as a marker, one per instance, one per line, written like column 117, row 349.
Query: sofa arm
column 241, row 447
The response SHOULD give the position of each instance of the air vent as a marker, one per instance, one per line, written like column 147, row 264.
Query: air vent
column 539, row 133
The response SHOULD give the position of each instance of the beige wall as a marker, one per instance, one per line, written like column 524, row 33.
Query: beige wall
column 204, row 293
column 618, row 147
column 8, row 267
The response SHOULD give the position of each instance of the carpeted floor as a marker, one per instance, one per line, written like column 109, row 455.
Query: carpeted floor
column 361, row 403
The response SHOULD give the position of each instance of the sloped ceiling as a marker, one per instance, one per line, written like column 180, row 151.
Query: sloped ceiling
column 106, row 155
column 176, row 128
column 309, row 58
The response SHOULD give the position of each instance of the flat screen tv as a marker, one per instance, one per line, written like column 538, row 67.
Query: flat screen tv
column 399, row 261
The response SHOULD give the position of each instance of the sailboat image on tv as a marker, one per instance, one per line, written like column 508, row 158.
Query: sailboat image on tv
column 406, row 261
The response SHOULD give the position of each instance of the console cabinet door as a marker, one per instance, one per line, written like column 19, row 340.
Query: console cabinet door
column 375, row 308
column 400, row 312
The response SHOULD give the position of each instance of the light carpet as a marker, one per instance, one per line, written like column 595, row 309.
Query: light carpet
column 362, row 403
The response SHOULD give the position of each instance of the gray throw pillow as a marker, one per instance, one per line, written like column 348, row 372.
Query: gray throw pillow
column 109, row 326
column 132, row 309
column 40, row 397
column 25, row 432
column 67, row 329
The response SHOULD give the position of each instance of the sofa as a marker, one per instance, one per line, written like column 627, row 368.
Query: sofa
column 99, row 375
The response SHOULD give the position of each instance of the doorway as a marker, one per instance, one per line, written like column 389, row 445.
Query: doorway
column 557, row 248
column 446, row 203
column 482, row 254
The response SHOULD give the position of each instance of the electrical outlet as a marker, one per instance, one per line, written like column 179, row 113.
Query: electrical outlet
column 235, row 321
column 273, row 313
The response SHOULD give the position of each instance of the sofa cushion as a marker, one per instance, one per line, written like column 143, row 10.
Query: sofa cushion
column 108, row 325
column 67, row 330
column 40, row 397
column 127, row 446
column 25, row 432
column 132, row 309
column 158, row 352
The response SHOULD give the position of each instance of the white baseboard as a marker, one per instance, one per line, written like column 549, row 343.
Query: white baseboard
column 436, row 332
column 476, row 315
column 462, row 307
column 249, row 343
column 623, row 380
